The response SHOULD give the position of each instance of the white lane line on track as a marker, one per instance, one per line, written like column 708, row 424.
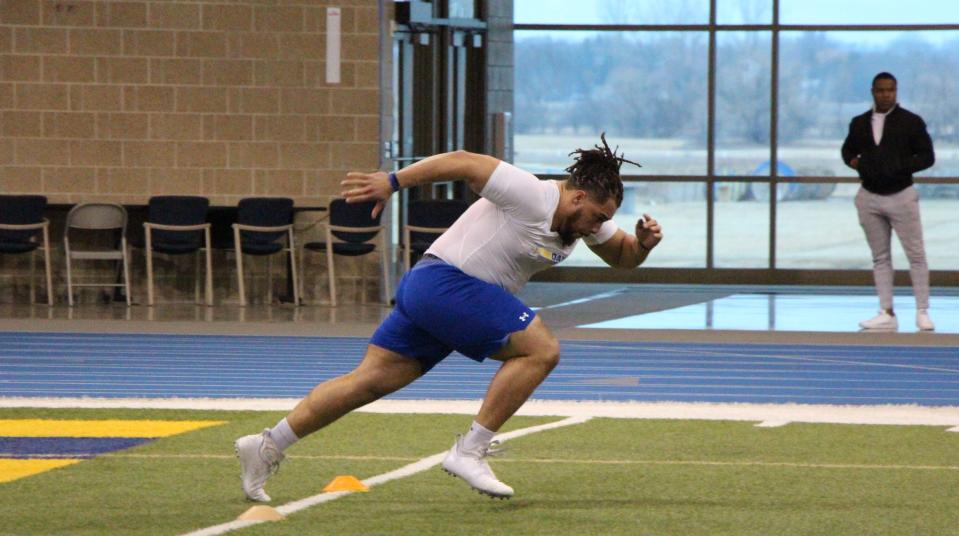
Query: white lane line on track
column 402, row 472
column 600, row 296
column 805, row 359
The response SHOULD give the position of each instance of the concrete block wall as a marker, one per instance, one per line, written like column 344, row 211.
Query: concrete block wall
column 121, row 100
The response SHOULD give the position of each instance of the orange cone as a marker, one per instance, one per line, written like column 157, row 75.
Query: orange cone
column 261, row 513
column 346, row 483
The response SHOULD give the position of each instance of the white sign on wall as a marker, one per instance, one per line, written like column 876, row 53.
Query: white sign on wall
column 333, row 45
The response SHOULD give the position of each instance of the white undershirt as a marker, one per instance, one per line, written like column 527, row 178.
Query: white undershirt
column 879, row 122
column 505, row 237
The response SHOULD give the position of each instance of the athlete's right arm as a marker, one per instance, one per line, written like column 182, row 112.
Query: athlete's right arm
column 472, row 168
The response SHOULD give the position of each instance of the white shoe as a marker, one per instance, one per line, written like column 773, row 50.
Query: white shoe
column 883, row 321
column 259, row 459
column 471, row 466
column 923, row 322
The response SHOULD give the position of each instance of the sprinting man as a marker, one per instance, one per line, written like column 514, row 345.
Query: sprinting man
column 460, row 297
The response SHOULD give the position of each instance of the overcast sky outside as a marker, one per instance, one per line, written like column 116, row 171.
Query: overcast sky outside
column 744, row 11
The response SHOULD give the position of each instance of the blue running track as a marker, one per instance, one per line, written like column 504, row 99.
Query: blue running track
column 164, row 366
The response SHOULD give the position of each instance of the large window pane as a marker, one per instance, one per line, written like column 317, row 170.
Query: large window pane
column 646, row 90
column 611, row 12
column 680, row 207
column 817, row 227
column 742, row 103
column 937, row 207
column 868, row 12
column 824, row 232
column 744, row 11
column 741, row 220
column 825, row 79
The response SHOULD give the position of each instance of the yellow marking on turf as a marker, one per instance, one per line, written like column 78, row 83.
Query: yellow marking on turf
column 98, row 428
column 14, row 469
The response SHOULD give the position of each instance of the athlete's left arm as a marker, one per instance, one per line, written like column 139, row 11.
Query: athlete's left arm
column 624, row 250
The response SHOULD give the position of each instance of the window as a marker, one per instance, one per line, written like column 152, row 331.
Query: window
column 640, row 71
column 647, row 91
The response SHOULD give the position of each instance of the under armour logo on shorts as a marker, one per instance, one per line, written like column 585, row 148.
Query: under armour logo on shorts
column 523, row 317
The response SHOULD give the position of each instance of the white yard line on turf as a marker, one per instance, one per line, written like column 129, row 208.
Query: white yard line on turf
column 797, row 413
column 772, row 424
column 575, row 461
column 402, row 472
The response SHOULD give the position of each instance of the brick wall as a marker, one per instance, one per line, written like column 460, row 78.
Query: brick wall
column 123, row 100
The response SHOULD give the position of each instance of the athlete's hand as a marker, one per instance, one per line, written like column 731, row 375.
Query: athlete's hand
column 361, row 187
column 648, row 232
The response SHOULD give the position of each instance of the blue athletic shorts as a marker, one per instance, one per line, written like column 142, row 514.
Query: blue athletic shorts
column 440, row 309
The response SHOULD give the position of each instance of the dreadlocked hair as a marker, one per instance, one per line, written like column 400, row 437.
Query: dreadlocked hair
column 596, row 171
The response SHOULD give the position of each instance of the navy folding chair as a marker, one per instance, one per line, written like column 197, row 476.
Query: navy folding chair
column 176, row 225
column 425, row 222
column 21, row 221
column 262, row 223
column 356, row 234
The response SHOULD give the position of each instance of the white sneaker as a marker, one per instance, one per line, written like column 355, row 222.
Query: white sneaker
column 923, row 322
column 881, row 322
column 259, row 459
column 471, row 466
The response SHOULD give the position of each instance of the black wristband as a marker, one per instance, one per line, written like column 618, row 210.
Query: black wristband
column 394, row 181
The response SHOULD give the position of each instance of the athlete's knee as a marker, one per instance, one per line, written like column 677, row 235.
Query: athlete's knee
column 547, row 353
column 382, row 373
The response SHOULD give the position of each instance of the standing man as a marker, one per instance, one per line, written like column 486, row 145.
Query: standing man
column 460, row 297
column 886, row 145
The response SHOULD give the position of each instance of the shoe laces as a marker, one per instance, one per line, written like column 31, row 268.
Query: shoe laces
column 488, row 451
column 271, row 455
column 494, row 449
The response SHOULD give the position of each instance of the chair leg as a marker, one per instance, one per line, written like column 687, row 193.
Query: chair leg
column 269, row 279
column 196, row 277
column 33, row 277
column 331, row 275
column 46, row 262
column 301, row 269
column 329, row 265
column 238, row 250
column 126, row 273
column 296, row 286
column 149, row 257
column 209, row 266
column 66, row 254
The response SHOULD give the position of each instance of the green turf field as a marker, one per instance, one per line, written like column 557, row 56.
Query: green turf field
column 607, row 476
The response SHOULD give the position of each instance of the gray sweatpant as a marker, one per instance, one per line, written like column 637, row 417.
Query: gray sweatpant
column 878, row 216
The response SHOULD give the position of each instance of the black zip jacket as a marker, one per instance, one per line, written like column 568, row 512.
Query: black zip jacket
column 905, row 148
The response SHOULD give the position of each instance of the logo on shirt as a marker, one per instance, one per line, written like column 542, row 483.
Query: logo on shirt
column 523, row 317
column 550, row 256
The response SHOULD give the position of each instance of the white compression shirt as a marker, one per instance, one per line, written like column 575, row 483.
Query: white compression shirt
column 505, row 237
